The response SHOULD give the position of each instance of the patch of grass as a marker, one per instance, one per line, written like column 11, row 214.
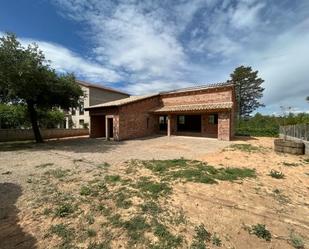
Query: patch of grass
column 47, row 211
column 112, row 178
column 104, row 210
column 200, row 238
column 64, row 210
column 216, row 240
column 151, row 208
column 122, row 201
column 245, row 147
column 136, row 228
column 91, row 232
column 166, row 238
column 90, row 219
column 276, row 174
column 103, row 165
column 161, row 166
column 297, row 241
column 260, row 231
column 115, row 220
column 88, row 191
column 57, row 173
column 196, row 171
column 62, row 231
column 290, row 164
column 101, row 245
column 153, row 189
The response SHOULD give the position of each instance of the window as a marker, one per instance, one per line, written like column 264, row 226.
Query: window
column 81, row 108
column 81, row 123
column 147, row 123
column 213, row 119
column 73, row 111
column 162, row 120
column 181, row 119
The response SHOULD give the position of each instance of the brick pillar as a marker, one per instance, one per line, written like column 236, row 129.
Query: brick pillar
column 224, row 126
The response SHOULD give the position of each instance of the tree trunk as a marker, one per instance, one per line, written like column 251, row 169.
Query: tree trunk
column 34, row 122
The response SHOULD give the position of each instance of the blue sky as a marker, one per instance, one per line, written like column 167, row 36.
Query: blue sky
column 148, row 46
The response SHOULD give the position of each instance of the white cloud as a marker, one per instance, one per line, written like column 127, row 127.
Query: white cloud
column 64, row 60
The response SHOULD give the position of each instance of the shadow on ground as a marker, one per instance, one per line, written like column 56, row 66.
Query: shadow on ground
column 11, row 234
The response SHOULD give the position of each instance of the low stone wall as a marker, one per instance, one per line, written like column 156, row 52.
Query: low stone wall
column 298, row 140
column 7, row 135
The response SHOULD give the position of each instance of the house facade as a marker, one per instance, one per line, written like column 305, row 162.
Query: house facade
column 206, row 111
column 93, row 95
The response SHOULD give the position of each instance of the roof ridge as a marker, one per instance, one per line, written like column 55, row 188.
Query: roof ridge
column 96, row 85
column 199, row 87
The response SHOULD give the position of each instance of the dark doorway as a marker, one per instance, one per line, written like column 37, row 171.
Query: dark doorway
column 110, row 128
column 189, row 123
column 163, row 123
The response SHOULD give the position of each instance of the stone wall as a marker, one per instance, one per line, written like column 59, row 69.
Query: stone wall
column 7, row 135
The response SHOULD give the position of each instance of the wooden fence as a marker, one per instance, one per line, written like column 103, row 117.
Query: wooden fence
column 300, row 131
column 27, row 134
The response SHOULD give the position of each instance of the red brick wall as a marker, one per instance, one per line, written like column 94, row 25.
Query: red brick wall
column 133, row 119
column 208, row 130
column 224, row 126
column 97, row 126
column 199, row 97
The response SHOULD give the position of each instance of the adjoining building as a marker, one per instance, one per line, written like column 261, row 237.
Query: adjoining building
column 206, row 111
column 93, row 94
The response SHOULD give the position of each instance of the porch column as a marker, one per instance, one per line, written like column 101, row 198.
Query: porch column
column 224, row 126
column 169, row 120
column 106, row 128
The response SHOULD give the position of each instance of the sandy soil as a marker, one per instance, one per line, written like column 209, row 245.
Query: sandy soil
column 227, row 208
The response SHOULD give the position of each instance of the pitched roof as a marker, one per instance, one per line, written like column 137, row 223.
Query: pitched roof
column 87, row 84
column 195, row 107
column 121, row 102
column 201, row 87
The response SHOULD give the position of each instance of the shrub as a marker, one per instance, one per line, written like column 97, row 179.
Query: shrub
column 297, row 241
column 261, row 232
column 276, row 174
column 64, row 210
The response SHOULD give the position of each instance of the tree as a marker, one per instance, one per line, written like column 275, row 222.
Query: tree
column 26, row 77
column 248, row 90
column 307, row 98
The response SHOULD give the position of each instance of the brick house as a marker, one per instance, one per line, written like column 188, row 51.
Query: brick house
column 206, row 111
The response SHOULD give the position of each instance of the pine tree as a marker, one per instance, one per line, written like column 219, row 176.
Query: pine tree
column 248, row 90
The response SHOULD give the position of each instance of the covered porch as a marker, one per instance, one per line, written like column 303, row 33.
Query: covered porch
column 196, row 120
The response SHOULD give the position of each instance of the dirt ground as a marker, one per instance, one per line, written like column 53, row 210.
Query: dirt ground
column 33, row 176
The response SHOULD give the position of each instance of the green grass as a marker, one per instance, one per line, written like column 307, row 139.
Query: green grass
column 136, row 227
column 88, row 191
column 151, row 207
column 216, row 240
column 122, row 201
column 196, row 171
column 112, row 178
column 57, row 173
column 297, row 241
column 200, row 238
column 103, row 165
column 261, row 232
column 276, row 174
column 65, row 233
column 101, row 245
column 166, row 238
column 64, row 210
column 245, row 147
column 153, row 189
column 91, row 232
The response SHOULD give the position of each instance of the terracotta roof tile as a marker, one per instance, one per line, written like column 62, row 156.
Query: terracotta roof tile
column 195, row 107
column 124, row 101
